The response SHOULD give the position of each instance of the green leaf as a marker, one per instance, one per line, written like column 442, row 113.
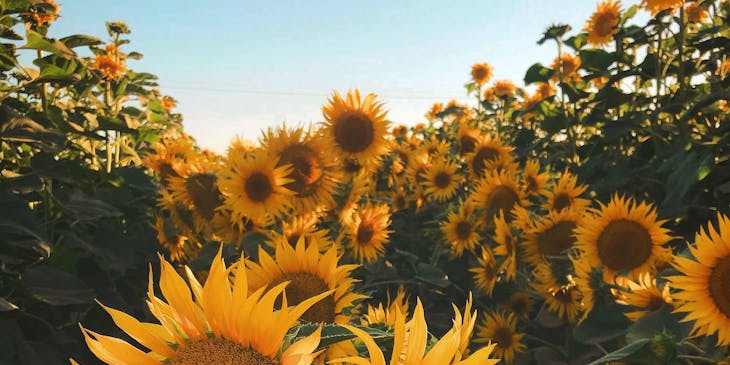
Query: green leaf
column 332, row 333
column 431, row 274
column 625, row 352
column 80, row 40
column 56, row 287
column 112, row 124
column 596, row 60
column 22, row 237
column 603, row 323
column 656, row 322
column 39, row 42
column 88, row 209
column 577, row 42
column 628, row 14
column 538, row 73
column 135, row 56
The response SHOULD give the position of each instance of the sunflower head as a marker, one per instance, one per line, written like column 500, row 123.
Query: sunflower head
column 499, row 192
column 657, row 6
column 504, row 89
column 501, row 330
column 461, row 229
column 387, row 314
column 506, row 240
column 562, row 296
column 110, row 64
column 644, row 295
column 486, row 274
column 696, row 13
column 603, row 23
column 487, row 150
column 368, row 232
column 481, row 73
column 435, row 110
column 441, row 180
column 565, row 194
column 553, row 235
column 566, row 68
column 534, row 181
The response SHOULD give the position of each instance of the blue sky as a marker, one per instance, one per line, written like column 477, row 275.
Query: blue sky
column 246, row 65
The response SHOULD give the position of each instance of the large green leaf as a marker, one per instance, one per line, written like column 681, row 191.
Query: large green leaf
column 80, row 40
column 37, row 41
column 538, row 73
column 56, row 287
column 603, row 323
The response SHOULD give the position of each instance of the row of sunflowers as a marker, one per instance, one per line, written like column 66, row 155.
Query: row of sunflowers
column 523, row 229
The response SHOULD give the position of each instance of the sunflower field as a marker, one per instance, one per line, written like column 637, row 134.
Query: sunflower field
column 581, row 219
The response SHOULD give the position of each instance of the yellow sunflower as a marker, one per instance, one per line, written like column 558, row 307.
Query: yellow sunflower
column 435, row 110
column 240, row 147
column 301, row 226
column 179, row 246
column 197, row 189
column 534, row 181
column 368, row 232
column 255, row 188
column 603, row 23
column 467, row 137
column 356, row 128
column 180, row 215
column 110, row 64
column 481, row 73
column 501, row 331
column 409, row 345
column 589, row 280
column 486, row 149
column 504, row 89
column 401, row 157
column 724, row 69
column 218, row 323
column 567, row 66
column 169, row 157
column 486, row 274
column 399, row 131
column 441, row 180
column 312, row 175
column 461, row 229
column 657, row 6
column 399, row 199
column 551, row 236
column 565, row 193
column 623, row 237
column 506, row 246
column 562, row 297
column 643, row 295
column 434, row 147
column 499, row 192
column 387, row 315
column 696, row 13
column 705, row 282
column 520, row 304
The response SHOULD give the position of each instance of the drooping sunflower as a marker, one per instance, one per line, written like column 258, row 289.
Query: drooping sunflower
column 461, row 229
column 644, row 295
column 441, row 180
column 355, row 127
column 387, row 315
column 704, row 282
column 623, row 236
column 197, row 189
column 486, row 274
column 499, row 191
column 535, row 182
column 551, row 236
column 563, row 297
column 255, row 188
column 312, row 176
column 506, row 246
column 501, row 330
column 486, row 149
column 447, row 351
column 565, row 193
column 481, row 73
column 368, row 232
column 566, row 68
column 208, row 326
column 603, row 23
column 657, row 6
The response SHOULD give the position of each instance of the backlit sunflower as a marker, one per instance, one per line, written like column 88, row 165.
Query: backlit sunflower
column 461, row 229
column 240, row 147
column 481, row 73
column 656, row 6
column 565, row 193
column 696, row 13
column 435, row 147
column 169, row 157
column 197, row 189
column 550, row 236
column 255, row 188
column 562, row 297
column 644, row 295
column 180, row 215
column 535, row 182
column 566, row 68
column 354, row 127
column 312, row 175
column 441, row 180
column 218, row 323
column 368, row 232
column 386, row 315
column 501, row 331
column 704, row 282
column 486, row 274
column 498, row 192
column 603, row 23
column 399, row 131
column 506, row 246
column 486, row 149
column 623, row 237
column 504, row 89
column 45, row 14
column 409, row 345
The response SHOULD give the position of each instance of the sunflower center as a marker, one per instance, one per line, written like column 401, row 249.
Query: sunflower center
column 556, row 239
column 258, row 187
column 564, row 295
column 604, row 24
column 463, row 230
column 503, row 337
column 166, row 172
column 655, row 302
column 519, row 305
column 365, row 233
column 482, row 157
column 302, row 286
column 354, row 132
column 624, row 245
column 502, row 198
column 203, row 191
column 218, row 351
column 468, row 143
column 442, row 180
column 306, row 168
column 561, row 202
column 531, row 183
column 719, row 284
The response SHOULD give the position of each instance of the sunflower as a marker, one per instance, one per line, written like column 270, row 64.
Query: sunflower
column 644, row 295
column 566, row 66
column 486, row 149
column 562, row 297
column 599, row 81
column 239, row 147
column 499, row 192
column 208, row 326
column 501, row 330
column 255, row 188
column 386, row 315
column 181, row 216
column 623, row 236
column 434, row 147
column 197, row 189
column 467, row 138
column 551, row 236
column 368, row 232
column 724, row 69
column 435, row 110
column 520, row 304
column 413, row 351
column 506, row 246
column 441, row 180
column 696, row 13
column 705, row 282
column 399, row 199
column 545, row 90
column 461, row 229
column 534, row 181
column 110, row 64
column 179, row 246
column 301, row 226
column 486, row 274
column 48, row 12
column 169, row 157
column 589, row 281
column 481, row 73
column 356, row 128
column 399, row 131
column 565, row 194
column 357, row 190
column 657, row 6
column 504, row 89
column 312, row 172
column 603, row 23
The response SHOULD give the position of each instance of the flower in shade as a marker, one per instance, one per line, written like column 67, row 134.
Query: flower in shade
column 562, row 297
column 387, row 314
column 486, row 274
column 461, row 229
column 498, row 192
column 565, row 194
column 500, row 330
column 553, row 235
column 603, row 23
column 506, row 246
column 644, row 295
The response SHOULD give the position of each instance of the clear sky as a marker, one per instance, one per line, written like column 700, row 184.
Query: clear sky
column 236, row 67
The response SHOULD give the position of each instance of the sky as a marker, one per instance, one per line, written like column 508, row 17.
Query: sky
column 244, row 66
